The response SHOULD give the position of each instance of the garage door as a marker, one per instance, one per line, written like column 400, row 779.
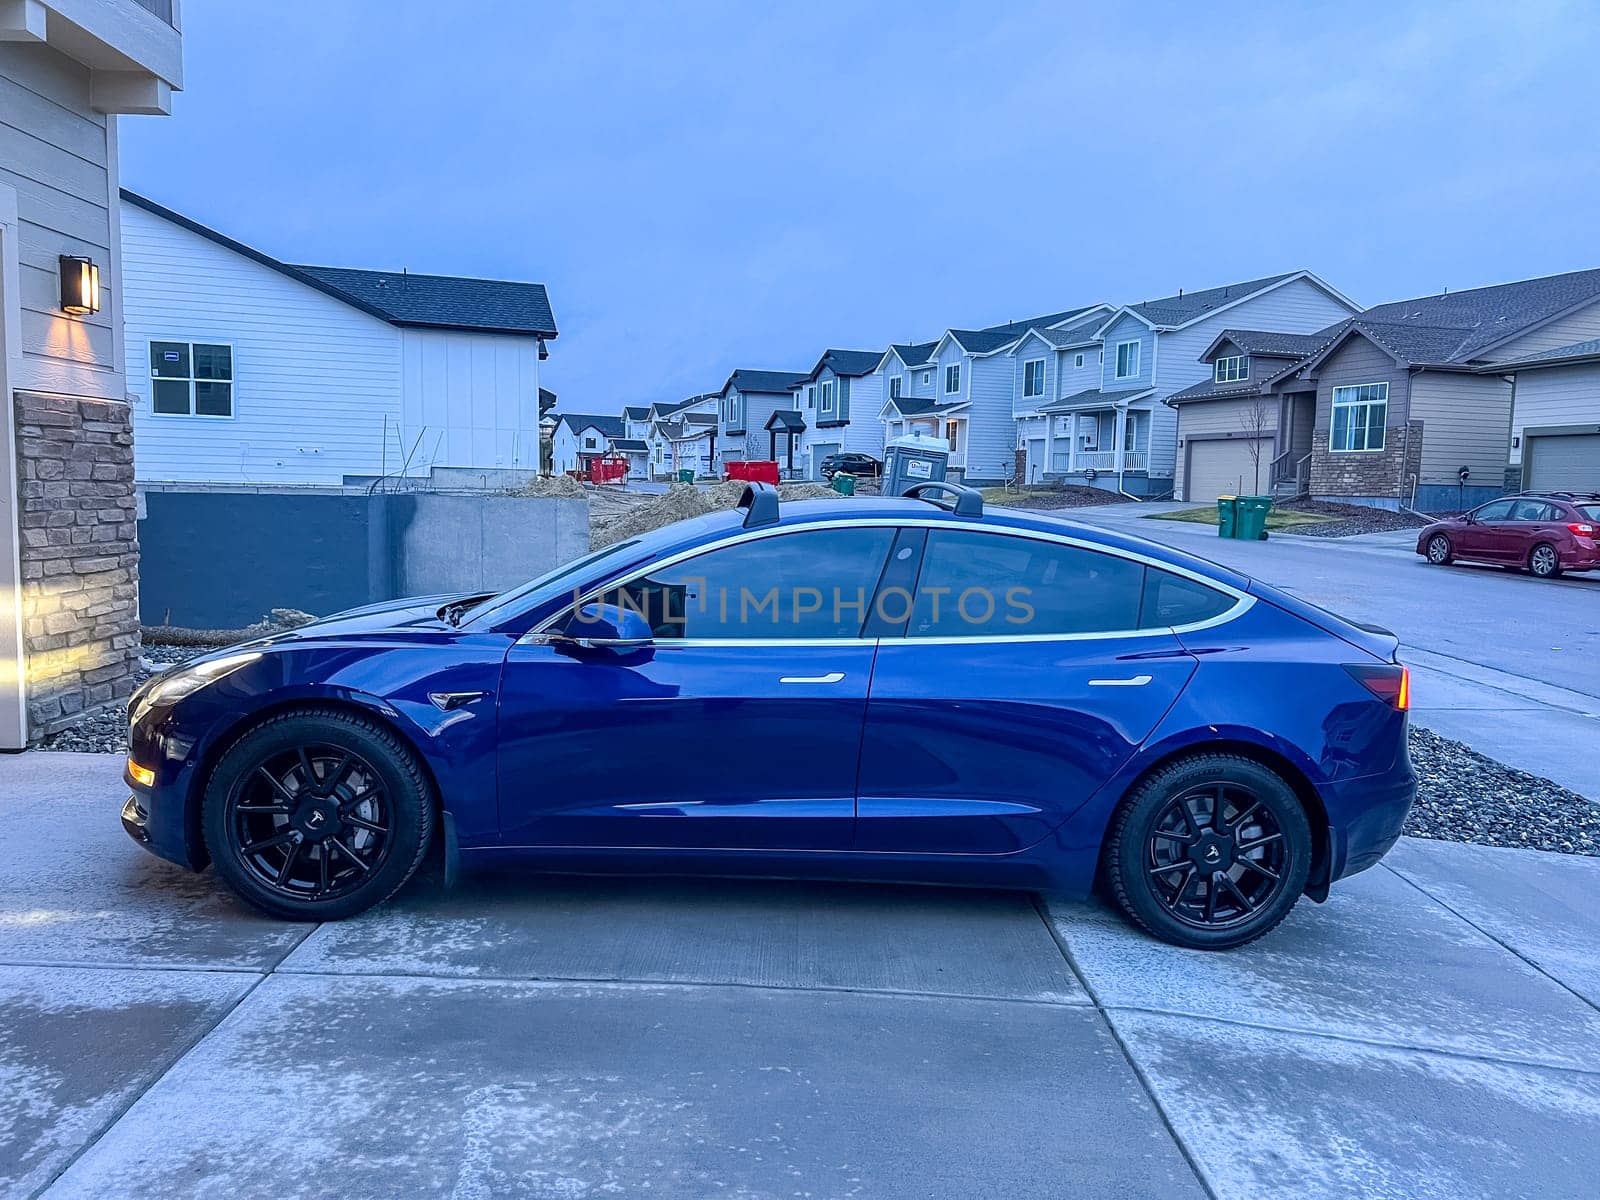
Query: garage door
column 1224, row 468
column 819, row 452
column 1569, row 463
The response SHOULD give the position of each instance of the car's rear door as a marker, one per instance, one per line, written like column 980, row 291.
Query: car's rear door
column 738, row 728
column 1028, row 672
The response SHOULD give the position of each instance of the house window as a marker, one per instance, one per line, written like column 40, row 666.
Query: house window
column 1077, row 360
column 1233, row 368
column 827, row 396
column 927, row 378
column 1033, row 377
column 191, row 379
column 1130, row 436
column 1127, row 360
column 1359, row 416
column 811, row 396
column 896, row 382
column 952, row 379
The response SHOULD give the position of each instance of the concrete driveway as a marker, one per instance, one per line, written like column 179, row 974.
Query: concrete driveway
column 1432, row 1031
column 1504, row 662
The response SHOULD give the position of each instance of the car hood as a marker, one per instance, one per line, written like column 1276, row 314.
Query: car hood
column 410, row 612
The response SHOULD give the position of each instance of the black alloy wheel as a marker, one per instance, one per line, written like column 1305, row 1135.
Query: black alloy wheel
column 1209, row 852
column 317, row 814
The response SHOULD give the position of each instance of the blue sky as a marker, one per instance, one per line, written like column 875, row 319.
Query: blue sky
column 706, row 186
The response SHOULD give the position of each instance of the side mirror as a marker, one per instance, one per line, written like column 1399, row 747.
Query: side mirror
column 608, row 627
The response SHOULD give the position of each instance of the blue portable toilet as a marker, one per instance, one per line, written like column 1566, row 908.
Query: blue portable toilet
column 913, row 459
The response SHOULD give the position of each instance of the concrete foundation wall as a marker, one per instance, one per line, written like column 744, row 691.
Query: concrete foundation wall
column 221, row 559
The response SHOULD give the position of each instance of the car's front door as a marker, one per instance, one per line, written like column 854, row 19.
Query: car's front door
column 1029, row 672
column 738, row 727
column 1491, row 535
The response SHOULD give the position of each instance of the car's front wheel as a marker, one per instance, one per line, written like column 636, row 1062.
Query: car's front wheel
column 1439, row 552
column 1210, row 852
column 317, row 814
column 1544, row 562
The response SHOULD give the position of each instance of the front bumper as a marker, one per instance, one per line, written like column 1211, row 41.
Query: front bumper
column 136, row 820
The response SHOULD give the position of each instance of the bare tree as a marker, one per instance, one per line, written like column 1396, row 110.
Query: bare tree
column 1258, row 421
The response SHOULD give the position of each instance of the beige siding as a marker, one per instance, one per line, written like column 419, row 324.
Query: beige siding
column 1234, row 417
column 1577, row 326
column 1357, row 362
column 1466, row 422
column 1556, row 396
column 60, row 157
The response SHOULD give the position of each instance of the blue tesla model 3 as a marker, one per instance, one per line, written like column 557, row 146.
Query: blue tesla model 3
column 893, row 689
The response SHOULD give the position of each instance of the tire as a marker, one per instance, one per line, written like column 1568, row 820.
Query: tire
column 1157, row 859
column 328, row 848
column 1440, row 553
column 1544, row 561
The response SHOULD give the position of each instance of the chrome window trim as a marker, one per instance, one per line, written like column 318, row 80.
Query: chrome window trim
column 1243, row 601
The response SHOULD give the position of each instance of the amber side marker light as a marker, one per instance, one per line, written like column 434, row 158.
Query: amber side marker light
column 143, row 776
column 1389, row 682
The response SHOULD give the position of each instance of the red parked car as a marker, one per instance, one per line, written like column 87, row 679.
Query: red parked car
column 1546, row 532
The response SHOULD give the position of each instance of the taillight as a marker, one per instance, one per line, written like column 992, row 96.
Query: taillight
column 1582, row 530
column 1389, row 682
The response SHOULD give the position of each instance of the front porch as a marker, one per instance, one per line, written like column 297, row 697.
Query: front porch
column 1088, row 444
column 948, row 422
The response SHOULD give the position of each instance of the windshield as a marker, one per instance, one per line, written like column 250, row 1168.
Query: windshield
column 551, row 583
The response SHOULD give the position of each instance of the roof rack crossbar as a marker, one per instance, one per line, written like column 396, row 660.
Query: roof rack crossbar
column 966, row 502
column 760, row 502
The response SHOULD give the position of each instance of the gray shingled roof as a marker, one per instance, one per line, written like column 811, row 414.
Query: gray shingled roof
column 915, row 406
column 635, row 445
column 445, row 301
column 1487, row 315
column 1577, row 352
column 914, row 354
column 1092, row 396
column 636, row 413
column 428, row 301
column 787, row 419
column 1281, row 345
column 995, row 337
column 610, row 426
column 843, row 362
column 747, row 380
column 1186, row 306
column 1209, row 389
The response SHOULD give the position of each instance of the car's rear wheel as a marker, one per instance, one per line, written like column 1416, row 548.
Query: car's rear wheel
column 1439, row 550
column 317, row 814
column 1544, row 562
column 1210, row 852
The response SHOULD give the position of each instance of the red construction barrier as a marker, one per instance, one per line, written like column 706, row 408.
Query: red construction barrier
column 758, row 471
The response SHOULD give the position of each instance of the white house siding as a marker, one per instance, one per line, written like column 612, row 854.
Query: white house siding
column 1032, row 349
column 61, row 159
column 314, row 379
column 1555, row 396
column 1298, row 306
column 1579, row 326
column 1466, row 422
column 864, row 434
column 472, row 397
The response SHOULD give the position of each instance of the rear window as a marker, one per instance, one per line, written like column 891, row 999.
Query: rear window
column 1589, row 512
column 1177, row 600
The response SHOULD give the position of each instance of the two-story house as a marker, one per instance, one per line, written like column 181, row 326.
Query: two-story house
column 1120, row 434
column 1410, row 404
column 683, row 435
column 69, row 563
column 634, row 445
column 746, row 403
column 834, row 408
column 1048, row 365
column 580, row 438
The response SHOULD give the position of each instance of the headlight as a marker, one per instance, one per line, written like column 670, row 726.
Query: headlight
column 169, row 689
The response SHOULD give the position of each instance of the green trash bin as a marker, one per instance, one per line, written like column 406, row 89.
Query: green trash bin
column 1251, row 523
column 1227, row 515
column 685, row 475
column 844, row 484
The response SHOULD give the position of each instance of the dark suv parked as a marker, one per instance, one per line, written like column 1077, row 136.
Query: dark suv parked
column 1546, row 532
column 862, row 466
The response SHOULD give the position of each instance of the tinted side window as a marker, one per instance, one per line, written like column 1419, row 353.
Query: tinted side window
column 990, row 585
column 1176, row 600
column 815, row 584
column 1500, row 510
column 1531, row 510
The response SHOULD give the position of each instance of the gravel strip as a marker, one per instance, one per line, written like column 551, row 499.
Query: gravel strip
column 105, row 731
column 1346, row 520
column 1466, row 797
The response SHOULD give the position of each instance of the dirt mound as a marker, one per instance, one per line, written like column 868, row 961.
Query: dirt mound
column 683, row 501
column 554, row 485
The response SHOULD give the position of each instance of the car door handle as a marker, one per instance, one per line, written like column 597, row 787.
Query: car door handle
column 830, row 677
column 1130, row 681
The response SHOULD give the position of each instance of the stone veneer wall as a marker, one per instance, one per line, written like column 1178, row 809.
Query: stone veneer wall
column 1385, row 474
column 79, row 554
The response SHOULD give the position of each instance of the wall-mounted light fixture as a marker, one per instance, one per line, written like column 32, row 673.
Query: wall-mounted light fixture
column 80, row 285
